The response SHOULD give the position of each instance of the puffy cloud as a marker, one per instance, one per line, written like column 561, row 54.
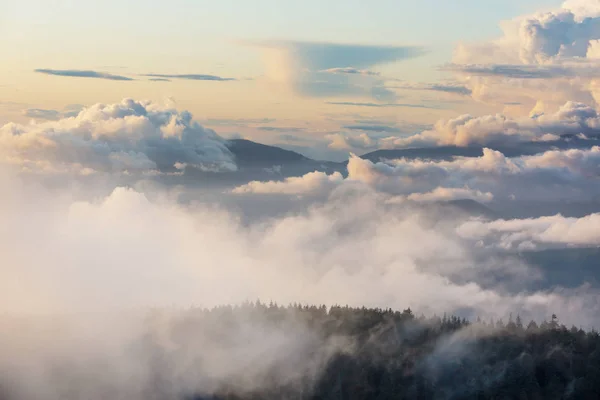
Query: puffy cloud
column 583, row 8
column 331, row 69
column 129, row 136
column 556, row 49
column 527, row 234
column 351, row 141
column 572, row 118
column 550, row 176
column 556, row 175
column 83, row 74
column 313, row 182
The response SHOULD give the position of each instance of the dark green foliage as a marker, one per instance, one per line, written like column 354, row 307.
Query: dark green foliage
column 399, row 356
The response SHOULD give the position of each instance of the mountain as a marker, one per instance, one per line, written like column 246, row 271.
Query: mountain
column 511, row 150
column 251, row 154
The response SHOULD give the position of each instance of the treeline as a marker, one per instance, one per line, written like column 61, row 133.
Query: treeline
column 398, row 355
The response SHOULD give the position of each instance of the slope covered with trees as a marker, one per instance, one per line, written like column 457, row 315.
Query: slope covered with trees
column 386, row 354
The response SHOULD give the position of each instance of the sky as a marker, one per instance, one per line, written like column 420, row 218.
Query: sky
column 228, row 39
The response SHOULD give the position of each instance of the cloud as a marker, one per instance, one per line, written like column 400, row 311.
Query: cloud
column 350, row 70
column 83, row 74
column 318, row 56
column 552, row 176
column 393, row 105
column 237, row 121
column 454, row 88
column 45, row 114
column 280, row 129
column 548, row 57
column 39, row 113
column 206, row 255
column 572, row 118
column 80, row 262
column 193, row 77
column 126, row 137
column 534, row 233
column 582, row 8
column 309, row 183
column 449, row 194
column 373, row 128
column 316, row 69
column 349, row 141
column 526, row 71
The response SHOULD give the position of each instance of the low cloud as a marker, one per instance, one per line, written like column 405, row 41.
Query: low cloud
column 448, row 194
column 557, row 175
column 310, row 183
column 535, row 233
column 572, row 118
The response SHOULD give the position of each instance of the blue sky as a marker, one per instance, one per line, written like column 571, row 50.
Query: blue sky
column 202, row 29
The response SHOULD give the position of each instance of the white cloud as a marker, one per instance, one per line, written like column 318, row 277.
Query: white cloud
column 447, row 194
column 309, row 183
column 572, row 118
column 525, row 234
column 555, row 175
column 128, row 137
column 556, row 48
column 351, row 249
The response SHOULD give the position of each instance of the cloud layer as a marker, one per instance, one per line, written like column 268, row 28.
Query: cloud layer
column 556, row 175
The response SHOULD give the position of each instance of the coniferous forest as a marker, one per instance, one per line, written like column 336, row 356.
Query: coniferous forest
column 362, row 353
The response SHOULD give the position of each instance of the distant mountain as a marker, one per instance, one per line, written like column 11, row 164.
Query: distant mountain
column 251, row 154
column 449, row 152
column 472, row 207
column 565, row 267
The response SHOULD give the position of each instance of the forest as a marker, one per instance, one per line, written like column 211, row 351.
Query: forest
column 366, row 353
